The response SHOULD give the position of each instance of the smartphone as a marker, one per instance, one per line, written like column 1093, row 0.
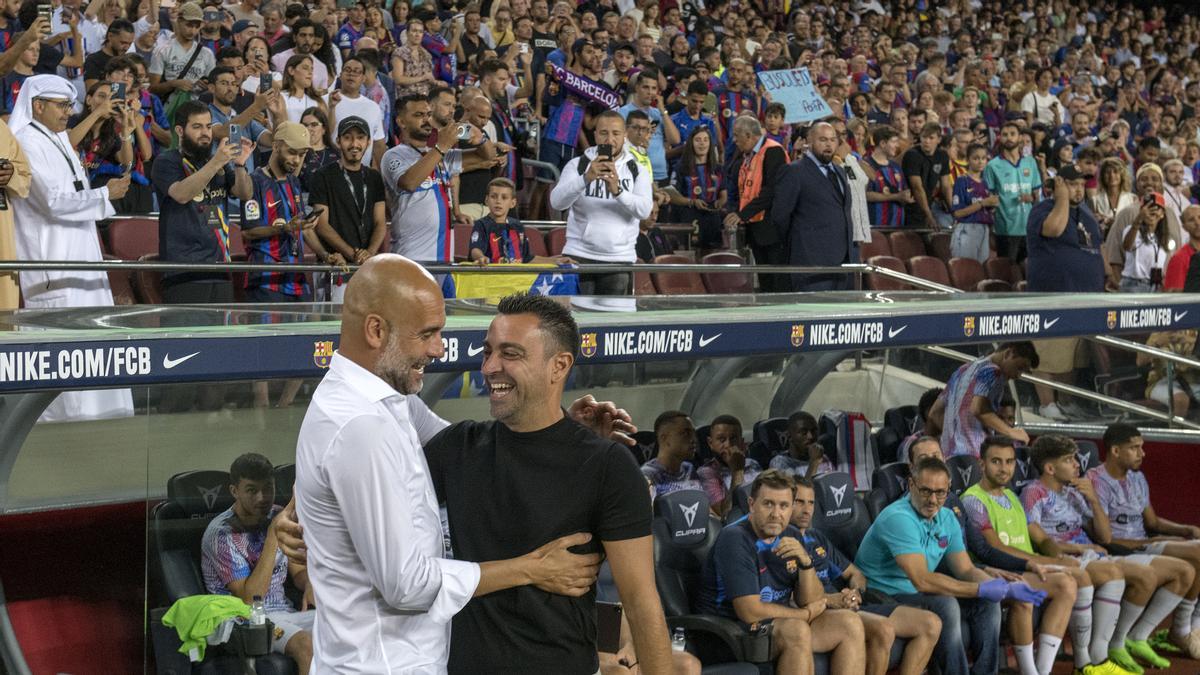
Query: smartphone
column 235, row 137
column 212, row 15
column 116, row 92
column 265, row 82
column 524, row 47
column 604, row 152
column 464, row 132
column 45, row 12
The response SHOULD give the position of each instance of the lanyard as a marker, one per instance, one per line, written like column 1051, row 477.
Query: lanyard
column 222, row 229
column 66, row 156
column 360, row 206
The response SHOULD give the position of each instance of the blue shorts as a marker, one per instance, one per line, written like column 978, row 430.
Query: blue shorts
column 553, row 152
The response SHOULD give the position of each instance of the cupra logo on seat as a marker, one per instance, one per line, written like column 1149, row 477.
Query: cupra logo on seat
column 689, row 512
column 839, row 493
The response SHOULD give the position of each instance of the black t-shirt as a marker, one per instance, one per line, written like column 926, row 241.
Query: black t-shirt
column 508, row 493
column 94, row 65
column 184, row 231
column 930, row 169
column 352, row 214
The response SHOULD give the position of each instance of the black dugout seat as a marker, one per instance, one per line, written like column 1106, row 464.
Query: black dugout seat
column 741, row 503
column 285, row 479
column 964, row 472
column 1023, row 471
column 772, row 434
column 840, row 513
column 902, row 419
column 684, row 532
column 1088, row 454
column 888, row 483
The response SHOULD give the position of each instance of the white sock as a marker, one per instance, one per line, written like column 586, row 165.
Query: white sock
column 1105, row 608
column 1025, row 659
column 1046, row 652
column 1162, row 603
column 1181, row 625
column 1081, row 627
column 1125, row 620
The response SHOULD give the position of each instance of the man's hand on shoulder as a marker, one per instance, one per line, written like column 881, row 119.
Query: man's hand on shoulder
column 290, row 534
column 604, row 418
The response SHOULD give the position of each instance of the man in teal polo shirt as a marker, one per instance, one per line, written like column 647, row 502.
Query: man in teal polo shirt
column 1017, row 181
column 908, row 541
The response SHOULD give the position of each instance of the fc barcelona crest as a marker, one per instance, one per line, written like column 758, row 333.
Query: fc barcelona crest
column 797, row 334
column 323, row 353
column 587, row 344
column 1112, row 320
column 969, row 326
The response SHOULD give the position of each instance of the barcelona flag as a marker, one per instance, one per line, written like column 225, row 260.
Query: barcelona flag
column 535, row 279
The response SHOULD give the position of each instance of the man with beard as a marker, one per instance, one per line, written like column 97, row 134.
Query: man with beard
column 419, row 180
column 274, row 225
column 304, row 35
column 179, row 64
column 736, row 96
column 116, row 43
column 1017, row 181
column 354, row 222
column 348, row 101
column 240, row 556
column 1149, row 179
column 366, row 494
column 193, row 184
column 226, row 86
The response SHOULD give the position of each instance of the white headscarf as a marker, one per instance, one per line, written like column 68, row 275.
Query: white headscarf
column 38, row 86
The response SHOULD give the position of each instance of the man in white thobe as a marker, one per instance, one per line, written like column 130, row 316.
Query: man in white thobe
column 57, row 221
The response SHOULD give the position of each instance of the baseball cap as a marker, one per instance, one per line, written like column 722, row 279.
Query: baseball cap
column 294, row 134
column 353, row 122
column 1071, row 172
column 1154, row 198
column 190, row 11
column 241, row 25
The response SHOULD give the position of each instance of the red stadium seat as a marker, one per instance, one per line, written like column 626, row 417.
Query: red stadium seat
column 132, row 238
column 462, row 241
column 877, row 246
column 939, row 245
column 727, row 282
column 120, row 281
column 878, row 282
column 555, row 240
column 537, row 243
column 906, row 244
column 1003, row 269
column 643, row 284
column 966, row 273
column 929, row 268
column 676, row 283
column 237, row 245
column 994, row 286
column 148, row 284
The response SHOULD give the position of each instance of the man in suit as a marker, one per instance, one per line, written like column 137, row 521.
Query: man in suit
column 762, row 161
column 812, row 209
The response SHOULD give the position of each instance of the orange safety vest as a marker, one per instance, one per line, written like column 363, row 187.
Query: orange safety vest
column 750, row 177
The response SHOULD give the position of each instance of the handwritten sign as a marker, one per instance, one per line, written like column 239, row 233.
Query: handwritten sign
column 795, row 90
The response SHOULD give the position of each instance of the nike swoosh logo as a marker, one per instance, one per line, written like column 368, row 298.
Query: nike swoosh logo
column 893, row 332
column 704, row 342
column 1180, row 315
column 170, row 363
column 472, row 350
column 1051, row 322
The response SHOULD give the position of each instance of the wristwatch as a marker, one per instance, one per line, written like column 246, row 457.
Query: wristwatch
column 618, row 192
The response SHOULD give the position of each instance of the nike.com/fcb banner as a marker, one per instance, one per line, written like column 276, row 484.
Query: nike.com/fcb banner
column 795, row 90
column 538, row 280
column 584, row 87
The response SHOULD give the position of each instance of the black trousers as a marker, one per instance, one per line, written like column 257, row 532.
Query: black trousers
column 773, row 254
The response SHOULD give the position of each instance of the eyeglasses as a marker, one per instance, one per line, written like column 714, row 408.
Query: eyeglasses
column 62, row 105
column 926, row 493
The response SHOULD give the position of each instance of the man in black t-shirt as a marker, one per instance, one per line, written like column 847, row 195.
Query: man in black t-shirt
column 844, row 585
column 116, row 43
column 354, row 224
column 194, row 184
column 927, row 172
column 527, row 475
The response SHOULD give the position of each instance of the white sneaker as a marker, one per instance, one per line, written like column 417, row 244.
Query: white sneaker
column 1053, row 412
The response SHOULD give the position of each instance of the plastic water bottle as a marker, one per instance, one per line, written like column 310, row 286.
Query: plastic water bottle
column 258, row 615
column 679, row 640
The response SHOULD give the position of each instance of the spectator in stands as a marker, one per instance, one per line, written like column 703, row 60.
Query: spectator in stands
column 998, row 514
column 804, row 456
column 1149, row 180
column 193, row 184
column 887, row 193
column 240, row 556
column 812, row 210
column 1065, row 516
column 180, row 63
column 927, row 173
column 22, row 69
column 908, row 541
column 348, row 101
column 353, row 223
column 973, row 203
column 1177, row 265
column 692, row 117
column 604, row 197
column 419, row 177
column 1016, row 180
column 966, row 409
column 845, row 585
column 304, row 39
column 1124, row 495
column 729, row 469
column 1143, row 243
column 758, row 572
column 671, row 469
column 499, row 237
column 369, row 388
column 117, row 41
column 700, row 195
column 648, row 99
column 652, row 241
column 762, row 165
column 638, row 131
column 1112, row 192
column 1175, row 190
column 224, row 83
